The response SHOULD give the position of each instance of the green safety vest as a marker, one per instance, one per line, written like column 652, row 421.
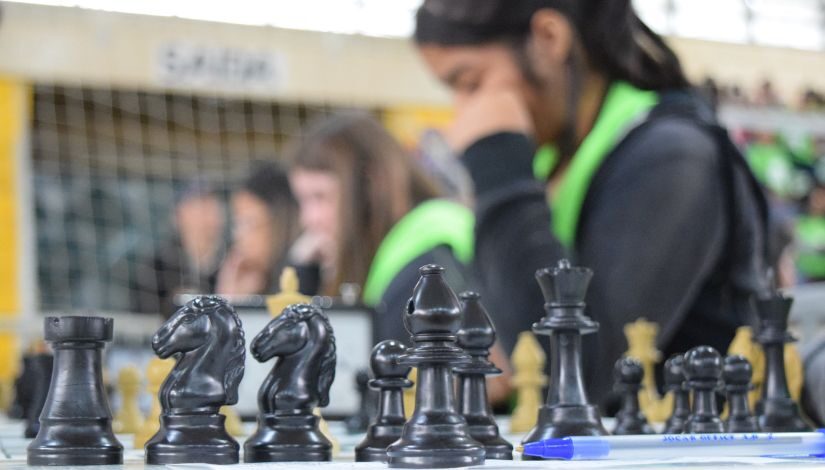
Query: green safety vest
column 810, row 233
column 772, row 166
column 624, row 107
column 430, row 224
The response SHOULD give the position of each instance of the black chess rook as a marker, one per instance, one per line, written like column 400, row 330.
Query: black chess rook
column 390, row 381
column 206, row 339
column 628, row 374
column 703, row 370
column 567, row 411
column 436, row 436
column 477, row 336
column 76, row 422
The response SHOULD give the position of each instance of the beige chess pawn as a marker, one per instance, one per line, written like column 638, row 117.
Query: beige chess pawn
column 528, row 379
column 409, row 393
column 744, row 345
column 234, row 425
column 275, row 304
column 128, row 419
column 156, row 373
column 289, row 294
column 794, row 371
column 641, row 341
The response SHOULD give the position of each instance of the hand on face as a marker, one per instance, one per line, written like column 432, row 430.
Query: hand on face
column 487, row 111
column 241, row 276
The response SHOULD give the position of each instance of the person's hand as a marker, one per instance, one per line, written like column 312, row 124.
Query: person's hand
column 239, row 276
column 312, row 248
column 487, row 111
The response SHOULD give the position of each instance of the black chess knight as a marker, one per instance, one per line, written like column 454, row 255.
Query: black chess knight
column 567, row 411
column 76, row 424
column 436, row 436
column 303, row 341
column 207, row 341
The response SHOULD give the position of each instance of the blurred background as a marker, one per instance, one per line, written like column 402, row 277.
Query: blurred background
column 120, row 119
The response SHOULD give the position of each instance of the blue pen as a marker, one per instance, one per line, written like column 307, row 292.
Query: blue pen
column 678, row 445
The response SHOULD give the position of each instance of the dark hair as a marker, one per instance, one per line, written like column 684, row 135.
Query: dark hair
column 616, row 41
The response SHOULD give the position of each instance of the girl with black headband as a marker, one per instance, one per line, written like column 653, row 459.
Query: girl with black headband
column 579, row 103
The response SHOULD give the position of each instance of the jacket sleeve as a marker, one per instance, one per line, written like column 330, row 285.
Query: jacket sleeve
column 513, row 235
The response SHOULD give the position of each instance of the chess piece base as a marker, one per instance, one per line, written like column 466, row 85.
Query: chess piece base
column 435, row 446
column 742, row 424
column 295, row 438
column 51, row 447
column 495, row 447
column 374, row 446
column 780, row 415
column 193, row 438
column 704, row 425
column 566, row 420
column 631, row 425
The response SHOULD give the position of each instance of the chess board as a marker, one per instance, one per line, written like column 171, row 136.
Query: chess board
column 13, row 456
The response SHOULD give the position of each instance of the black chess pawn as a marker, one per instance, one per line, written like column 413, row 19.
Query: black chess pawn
column 675, row 384
column 360, row 420
column 737, row 374
column 477, row 336
column 390, row 380
column 41, row 377
column 76, row 424
column 207, row 341
column 436, row 436
column 628, row 374
column 302, row 339
column 776, row 411
column 703, row 370
column 567, row 411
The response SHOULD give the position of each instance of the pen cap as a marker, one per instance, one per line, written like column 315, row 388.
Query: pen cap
column 585, row 447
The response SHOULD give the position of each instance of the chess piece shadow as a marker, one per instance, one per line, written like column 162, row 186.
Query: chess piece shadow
column 76, row 424
column 207, row 340
column 303, row 341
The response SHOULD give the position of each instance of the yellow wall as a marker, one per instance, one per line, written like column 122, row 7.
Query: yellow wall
column 13, row 100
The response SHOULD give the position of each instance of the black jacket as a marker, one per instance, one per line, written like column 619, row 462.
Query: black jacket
column 673, row 226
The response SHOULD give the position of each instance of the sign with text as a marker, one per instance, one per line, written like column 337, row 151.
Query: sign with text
column 182, row 64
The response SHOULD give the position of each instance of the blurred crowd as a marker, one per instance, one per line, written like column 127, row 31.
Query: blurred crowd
column 790, row 165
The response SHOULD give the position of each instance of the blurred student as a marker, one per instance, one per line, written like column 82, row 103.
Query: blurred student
column 189, row 261
column 371, row 216
column 264, row 225
column 645, row 186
